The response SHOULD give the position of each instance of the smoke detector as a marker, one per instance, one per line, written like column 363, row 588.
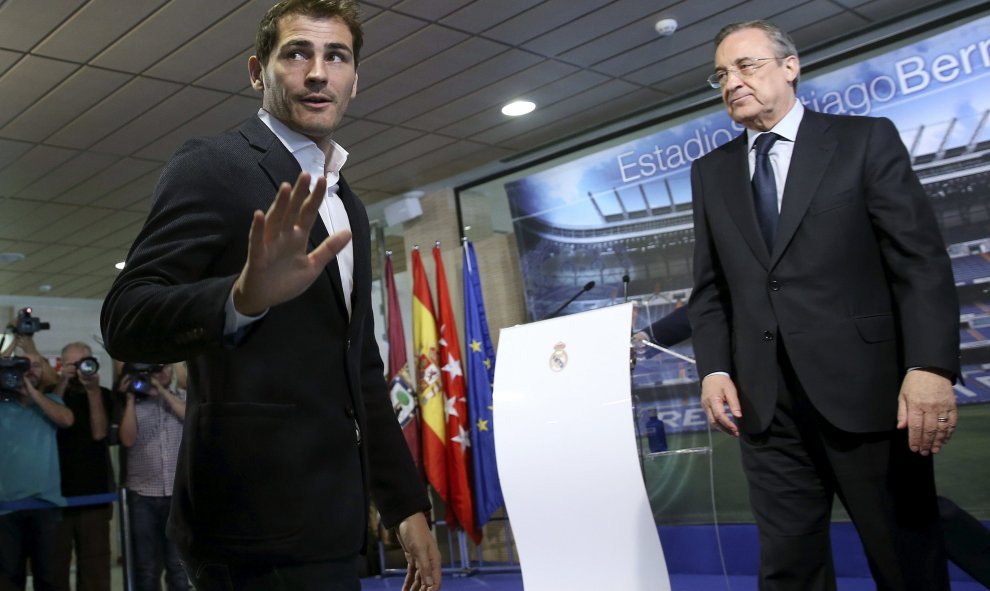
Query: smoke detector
column 665, row 27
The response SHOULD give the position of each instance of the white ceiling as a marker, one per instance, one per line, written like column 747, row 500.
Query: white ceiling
column 96, row 94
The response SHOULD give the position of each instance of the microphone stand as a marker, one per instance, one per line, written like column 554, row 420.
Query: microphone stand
column 669, row 352
column 587, row 287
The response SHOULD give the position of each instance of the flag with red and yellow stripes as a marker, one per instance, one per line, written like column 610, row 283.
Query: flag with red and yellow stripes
column 429, row 386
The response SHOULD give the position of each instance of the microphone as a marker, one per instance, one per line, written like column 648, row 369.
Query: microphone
column 625, row 288
column 587, row 287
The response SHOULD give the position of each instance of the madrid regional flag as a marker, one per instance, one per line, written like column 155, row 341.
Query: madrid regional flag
column 458, row 434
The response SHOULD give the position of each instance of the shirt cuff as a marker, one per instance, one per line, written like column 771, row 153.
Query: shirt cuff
column 234, row 321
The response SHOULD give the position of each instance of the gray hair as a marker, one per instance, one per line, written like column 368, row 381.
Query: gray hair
column 783, row 45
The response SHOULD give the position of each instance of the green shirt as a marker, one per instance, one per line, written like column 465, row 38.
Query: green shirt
column 28, row 455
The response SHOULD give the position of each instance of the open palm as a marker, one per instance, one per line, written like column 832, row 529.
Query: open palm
column 278, row 268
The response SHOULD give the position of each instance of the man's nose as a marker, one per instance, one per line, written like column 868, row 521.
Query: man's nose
column 317, row 71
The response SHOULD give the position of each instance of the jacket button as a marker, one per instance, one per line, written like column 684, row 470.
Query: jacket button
column 774, row 285
column 347, row 344
column 767, row 335
column 350, row 412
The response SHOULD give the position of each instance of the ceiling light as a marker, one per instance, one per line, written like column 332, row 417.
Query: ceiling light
column 665, row 27
column 517, row 108
column 11, row 257
column 120, row 265
column 45, row 287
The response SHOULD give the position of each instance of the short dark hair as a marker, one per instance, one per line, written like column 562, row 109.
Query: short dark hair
column 345, row 10
column 783, row 45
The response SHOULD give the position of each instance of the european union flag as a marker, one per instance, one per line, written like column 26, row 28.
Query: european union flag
column 480, row 376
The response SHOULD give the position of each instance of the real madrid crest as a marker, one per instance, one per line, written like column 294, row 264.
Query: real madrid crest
column 558, row 359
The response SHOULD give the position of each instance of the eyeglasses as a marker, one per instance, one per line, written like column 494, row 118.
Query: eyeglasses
column 745, row 67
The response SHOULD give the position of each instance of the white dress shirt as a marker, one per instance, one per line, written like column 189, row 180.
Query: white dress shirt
column 782, row 150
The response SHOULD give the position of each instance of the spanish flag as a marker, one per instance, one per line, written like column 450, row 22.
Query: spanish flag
column 429, row 385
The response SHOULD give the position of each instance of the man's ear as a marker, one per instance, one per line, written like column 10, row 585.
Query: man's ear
column 256, row 73
column 793, row 67
column 354, row 86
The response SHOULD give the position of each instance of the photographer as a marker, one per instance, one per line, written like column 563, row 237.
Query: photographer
column 151, row 430
column 86, row 470
column 29, row 421
column 21, row 334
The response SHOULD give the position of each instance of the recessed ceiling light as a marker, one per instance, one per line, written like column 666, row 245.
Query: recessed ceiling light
column 517, row 108
column 45, row 287
column 11, row 257
column 120, row 265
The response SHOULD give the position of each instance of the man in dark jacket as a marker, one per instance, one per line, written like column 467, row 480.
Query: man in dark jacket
column 289, row 432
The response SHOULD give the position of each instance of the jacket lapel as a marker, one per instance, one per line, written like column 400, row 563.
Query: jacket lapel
column 737, row 194
column 813, row 149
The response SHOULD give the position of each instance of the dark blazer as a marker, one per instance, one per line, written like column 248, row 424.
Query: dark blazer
column 270, row 465
column 858, row 286
column 671, row 329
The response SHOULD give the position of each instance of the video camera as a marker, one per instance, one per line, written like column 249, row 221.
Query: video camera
column 140, row 374
column 28, row 325
column 12, row 370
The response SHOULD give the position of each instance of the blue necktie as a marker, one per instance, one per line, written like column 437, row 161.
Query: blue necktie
column 765, row 188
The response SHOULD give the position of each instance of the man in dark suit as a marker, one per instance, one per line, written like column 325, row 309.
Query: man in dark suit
column 289, row 430
column 825, row 320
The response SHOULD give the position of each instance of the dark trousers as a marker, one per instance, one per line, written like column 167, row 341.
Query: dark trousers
column 28, row 535
column 87, row 531
column 333, row 575
column 967, row 542
column 797, row 467
column 151, row 550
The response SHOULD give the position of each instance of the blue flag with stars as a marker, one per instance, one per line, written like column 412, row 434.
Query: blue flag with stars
column 480, row 376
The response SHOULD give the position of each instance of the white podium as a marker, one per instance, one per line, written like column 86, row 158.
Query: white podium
column 567, row 456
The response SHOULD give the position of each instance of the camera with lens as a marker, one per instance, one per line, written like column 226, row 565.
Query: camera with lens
column 12, row 370
column 27, row 325
column 140, row 375
column 87, row 366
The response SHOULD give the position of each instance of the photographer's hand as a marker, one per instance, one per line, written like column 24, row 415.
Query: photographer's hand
column 156, row 390
column 278, row 268
column 65, row 374
column 175, row 404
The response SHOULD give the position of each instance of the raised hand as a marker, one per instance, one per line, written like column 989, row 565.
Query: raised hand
column 278, row 268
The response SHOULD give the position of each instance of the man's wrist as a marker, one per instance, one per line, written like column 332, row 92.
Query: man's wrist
column 951, row 376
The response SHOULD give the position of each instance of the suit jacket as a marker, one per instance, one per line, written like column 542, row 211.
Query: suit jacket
column 671, row 329
column 270, row 466
column 858, row 285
